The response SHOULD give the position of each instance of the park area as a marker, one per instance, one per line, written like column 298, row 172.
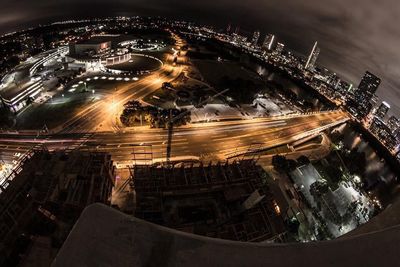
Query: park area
column 243, row 84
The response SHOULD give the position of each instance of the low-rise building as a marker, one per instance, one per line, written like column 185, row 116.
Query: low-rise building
column 92, row 46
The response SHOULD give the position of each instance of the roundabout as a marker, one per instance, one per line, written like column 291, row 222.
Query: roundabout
column 138, row 64
column 141, row 45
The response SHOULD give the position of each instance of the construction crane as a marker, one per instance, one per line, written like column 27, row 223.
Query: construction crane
column 171, row 122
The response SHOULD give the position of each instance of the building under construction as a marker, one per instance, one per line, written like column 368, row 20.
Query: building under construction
column 43, row 198
column 226, row 200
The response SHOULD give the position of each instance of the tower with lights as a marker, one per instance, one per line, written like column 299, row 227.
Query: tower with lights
column 268, row 42
column 312, row 58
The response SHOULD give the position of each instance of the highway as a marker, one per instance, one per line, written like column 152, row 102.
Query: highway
column 206, row 141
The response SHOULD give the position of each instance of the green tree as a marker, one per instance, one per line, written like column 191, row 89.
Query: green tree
column 280, row 163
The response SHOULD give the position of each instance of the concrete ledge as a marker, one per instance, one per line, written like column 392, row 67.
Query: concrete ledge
column 106, row 237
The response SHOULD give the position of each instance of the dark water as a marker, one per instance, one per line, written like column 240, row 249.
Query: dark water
column 377, row 169
column 379, row 176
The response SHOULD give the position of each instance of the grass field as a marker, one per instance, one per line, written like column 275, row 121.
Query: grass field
column 54, row 112
column 243, row 84
column 213, row 71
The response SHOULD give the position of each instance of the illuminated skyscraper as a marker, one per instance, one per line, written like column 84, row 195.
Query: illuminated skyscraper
column 360, row 102
column 312, row 58
column 256, row 37
column 279, row 49
column 368, row 85
column 375, row 102
column 382, row 110
column 385, row 135
column 394, row 124
column 268, row 42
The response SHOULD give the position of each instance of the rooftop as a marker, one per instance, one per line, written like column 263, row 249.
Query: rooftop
column 14, row 91
column 96, row 40
column 107, row 237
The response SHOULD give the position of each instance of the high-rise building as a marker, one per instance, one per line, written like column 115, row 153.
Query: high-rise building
column 268, row 42
column 333, row 80
column 256, row 37
column 312, row 58
column 279, row 49
column 359, row 104
column 383, row 132
column 337, row 83
column 382, row 110
column 375, row 102
column 368, row 86
column 394, row 124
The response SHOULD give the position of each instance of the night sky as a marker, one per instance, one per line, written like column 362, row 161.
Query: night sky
column 354, row 35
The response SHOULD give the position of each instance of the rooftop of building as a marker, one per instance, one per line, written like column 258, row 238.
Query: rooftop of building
column 96, row 40
column 13, row 91
column 120, row 240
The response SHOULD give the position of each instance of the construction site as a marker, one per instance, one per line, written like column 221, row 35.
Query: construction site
column 229, row 200
column 42, row 199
